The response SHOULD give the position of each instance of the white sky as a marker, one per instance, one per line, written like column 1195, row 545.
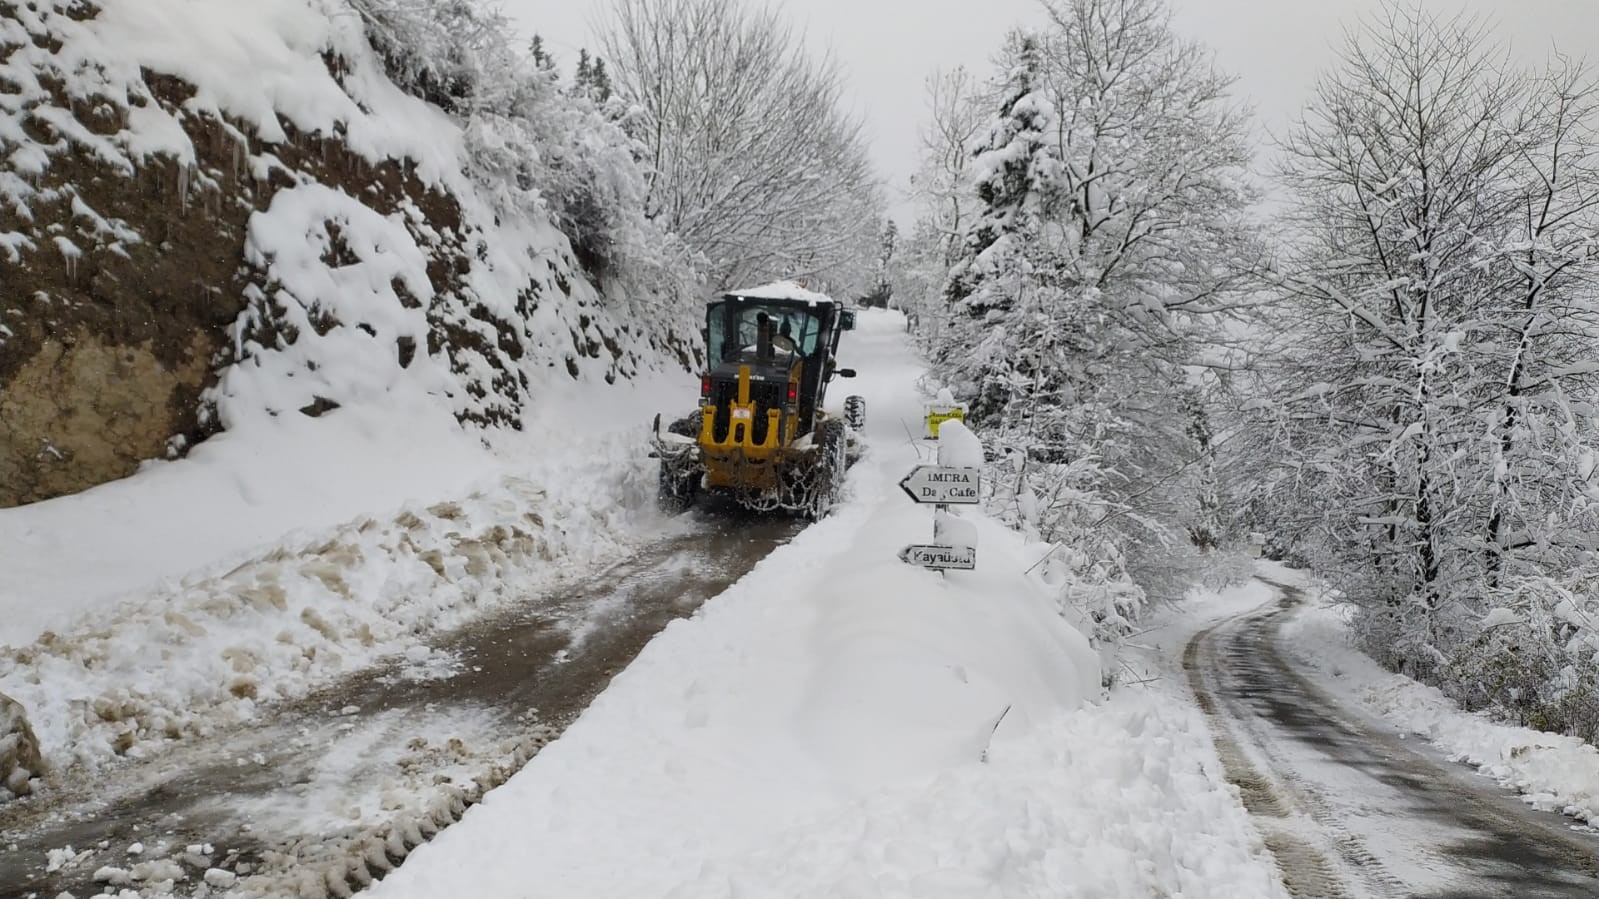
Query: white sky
column 889, row 47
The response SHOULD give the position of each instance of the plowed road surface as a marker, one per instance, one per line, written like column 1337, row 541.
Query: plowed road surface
column 1352, row 810
column 299, row 803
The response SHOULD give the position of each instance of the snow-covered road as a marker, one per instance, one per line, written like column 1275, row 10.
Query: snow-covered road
column 295, row 799
column 827, row 727
column 1349, row 807
column 833, row 722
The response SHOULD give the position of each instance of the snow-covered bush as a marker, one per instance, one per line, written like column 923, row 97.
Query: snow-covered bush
column 1056, row 503
column 448, row 52
column 1535, row 655
column 569, row 156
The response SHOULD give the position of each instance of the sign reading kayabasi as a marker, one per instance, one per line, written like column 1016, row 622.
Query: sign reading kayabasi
column 939, row 484
column 940, row 557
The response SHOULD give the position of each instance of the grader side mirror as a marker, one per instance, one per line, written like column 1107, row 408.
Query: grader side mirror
column 845, row 373
column 846, row 320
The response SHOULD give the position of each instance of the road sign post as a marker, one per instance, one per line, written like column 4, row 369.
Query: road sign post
column 940, row 558
column 944, row 486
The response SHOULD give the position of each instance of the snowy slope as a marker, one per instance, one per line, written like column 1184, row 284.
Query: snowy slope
column 367, row 259
column 180, row 598
column 839, row 723
column 290, row 549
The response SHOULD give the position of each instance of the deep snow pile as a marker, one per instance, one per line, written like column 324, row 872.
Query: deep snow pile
column 1551, row 771
column 840, row 723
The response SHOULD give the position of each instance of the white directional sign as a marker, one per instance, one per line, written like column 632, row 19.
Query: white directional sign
column 936, row 484
column 940, row 557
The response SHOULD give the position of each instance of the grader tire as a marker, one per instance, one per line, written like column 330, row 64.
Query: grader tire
column 679, row 485
column 855, row 412
column 831, row 463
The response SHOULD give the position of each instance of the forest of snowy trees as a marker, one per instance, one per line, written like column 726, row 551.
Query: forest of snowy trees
column 1392, row 371
column 1374, row 341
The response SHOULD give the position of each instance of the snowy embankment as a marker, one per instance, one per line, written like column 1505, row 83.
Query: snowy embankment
column 840, row 723
column 1551, row 771
column 178, row 600
column 293, row 548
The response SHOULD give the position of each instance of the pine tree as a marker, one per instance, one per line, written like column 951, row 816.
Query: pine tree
column 599, row 82
column 1011, row 166
column 585, row 74
column 541, row 57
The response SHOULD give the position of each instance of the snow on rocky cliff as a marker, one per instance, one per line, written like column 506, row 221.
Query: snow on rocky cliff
column 223, row 222
column 200, row 188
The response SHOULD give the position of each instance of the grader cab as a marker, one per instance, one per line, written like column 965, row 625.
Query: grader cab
column 761, row 435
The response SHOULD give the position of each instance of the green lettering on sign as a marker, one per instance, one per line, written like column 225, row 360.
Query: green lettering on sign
column 937, row 415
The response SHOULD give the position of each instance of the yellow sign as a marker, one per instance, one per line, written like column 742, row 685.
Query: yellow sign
column 937, row 415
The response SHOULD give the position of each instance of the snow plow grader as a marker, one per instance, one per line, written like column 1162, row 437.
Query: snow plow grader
column 760, row 435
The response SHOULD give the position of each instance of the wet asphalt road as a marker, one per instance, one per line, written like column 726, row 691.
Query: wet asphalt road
column 533, row 666
column 1348, row 807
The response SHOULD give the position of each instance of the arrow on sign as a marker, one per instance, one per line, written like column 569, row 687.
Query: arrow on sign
column 937, row 484
column 940, row 557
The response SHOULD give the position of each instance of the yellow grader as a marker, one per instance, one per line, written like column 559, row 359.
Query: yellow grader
column 760, row 435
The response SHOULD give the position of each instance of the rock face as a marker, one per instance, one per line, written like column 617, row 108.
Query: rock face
column 19, row 750
column 81, row 410
column 128, row 194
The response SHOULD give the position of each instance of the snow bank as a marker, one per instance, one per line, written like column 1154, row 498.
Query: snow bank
column 1109, row 801
column 181, row 662
column 282, row 555
column 231, row 499
column 19, row 749
column 1551, row 771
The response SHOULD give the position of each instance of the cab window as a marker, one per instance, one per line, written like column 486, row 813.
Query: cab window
column 793, row 330
column 715, row 332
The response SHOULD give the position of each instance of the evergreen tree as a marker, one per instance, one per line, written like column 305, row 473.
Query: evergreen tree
column 584, row 74
column 599, row 82
column 1011, row 166
column 541, row 57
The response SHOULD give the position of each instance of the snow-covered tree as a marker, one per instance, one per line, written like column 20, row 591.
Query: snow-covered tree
column 1111, row 233
column 958, row 121
column 1434, row 409
column 753, row 159
column 942, row 190
column 444, row 52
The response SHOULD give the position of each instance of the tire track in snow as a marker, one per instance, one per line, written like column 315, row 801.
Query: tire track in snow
column 526, row 671
column 1307, row 871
